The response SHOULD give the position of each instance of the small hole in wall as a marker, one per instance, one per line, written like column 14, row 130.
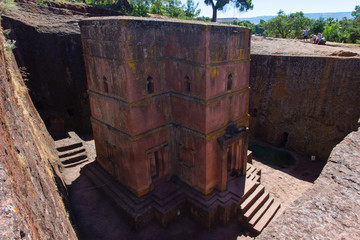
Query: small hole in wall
column 229, row 82
column 150, row 85
column 187, row 84
column 106, row 88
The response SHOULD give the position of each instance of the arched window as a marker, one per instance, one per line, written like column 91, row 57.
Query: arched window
column 106, row 88
column 187, row 84
column 229, row 83
column 150, row 85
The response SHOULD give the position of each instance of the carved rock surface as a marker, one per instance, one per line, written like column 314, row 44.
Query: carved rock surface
column 48, row 45
column 305, row 103
column 330, row 209
column 31, row 206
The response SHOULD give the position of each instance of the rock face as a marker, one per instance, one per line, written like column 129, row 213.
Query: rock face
column 330, row 209
column 308, row 104
column 49, row 46
column 30, row 203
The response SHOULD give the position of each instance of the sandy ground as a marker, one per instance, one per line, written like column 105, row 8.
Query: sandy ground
column 296, row 47
column 96, row 218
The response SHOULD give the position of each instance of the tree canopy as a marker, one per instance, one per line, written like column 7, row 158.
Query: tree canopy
column 286, row 26
column 242, row 5
column 171, row 8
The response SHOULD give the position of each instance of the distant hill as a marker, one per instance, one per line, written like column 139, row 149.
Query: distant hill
column 256, row 20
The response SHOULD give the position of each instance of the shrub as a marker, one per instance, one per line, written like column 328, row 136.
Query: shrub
column 6, row 6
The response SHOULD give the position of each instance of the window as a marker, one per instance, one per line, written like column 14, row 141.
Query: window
column 229, row 83
column 106, row 88
column 150, row 85
column 187, row 84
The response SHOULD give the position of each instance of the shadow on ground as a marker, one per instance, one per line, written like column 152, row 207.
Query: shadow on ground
column 299, row 166
column 97, row 219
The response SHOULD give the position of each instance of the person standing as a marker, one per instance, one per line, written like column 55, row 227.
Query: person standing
column 305, row 34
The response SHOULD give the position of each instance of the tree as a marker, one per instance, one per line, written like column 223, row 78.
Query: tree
column 190, row 9
column 242, row 5
column 317, row 26
column 284, row 26
column 139, row 8
column 6, row 6
column 356, row 13
column 278, row 26
column 259, row 28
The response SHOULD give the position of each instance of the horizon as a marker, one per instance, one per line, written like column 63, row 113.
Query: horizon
column 287, row 13
column 266, row 8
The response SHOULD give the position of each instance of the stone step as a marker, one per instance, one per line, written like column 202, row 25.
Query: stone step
column 73, row 158
column 248, row 166
column 71, row 152
column 70, row 146
column 252, row 198
column 261, row 212
column 257, row 178
column 250, row 171
column 266, row 218
column 253, row 171
column 250, row 187
column 256, row 206
column 75, row 163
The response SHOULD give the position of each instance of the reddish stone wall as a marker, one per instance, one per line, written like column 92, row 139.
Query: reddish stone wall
column 199, row 78
column 308, row 104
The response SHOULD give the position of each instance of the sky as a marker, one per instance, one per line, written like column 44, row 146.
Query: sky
column 271, row 7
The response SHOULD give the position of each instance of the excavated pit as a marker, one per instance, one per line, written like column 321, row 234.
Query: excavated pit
column 306, row 91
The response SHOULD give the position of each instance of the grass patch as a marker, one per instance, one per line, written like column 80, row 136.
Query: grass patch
column 268, row 155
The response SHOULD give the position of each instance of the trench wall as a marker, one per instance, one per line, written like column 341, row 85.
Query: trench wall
column 31, row 204
column 308, row 104
column 56, row 76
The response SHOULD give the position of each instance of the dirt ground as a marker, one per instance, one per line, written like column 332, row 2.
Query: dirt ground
column 288, row 184
column 296, row 47
column 96, row 218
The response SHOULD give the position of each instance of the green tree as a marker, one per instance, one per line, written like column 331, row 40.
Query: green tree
column 259, row 28
column 6, row 6
column 157, row 7
column 278, row 26
column 298, row 22
column 317, row 26
column 284, row 26
column 174, row 8
column 244, row 24
column 190, row 9
column 332, row 31
column 242, row 5
column 356, row 13
column 139, row 8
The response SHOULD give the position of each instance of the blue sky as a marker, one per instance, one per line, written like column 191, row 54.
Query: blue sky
column 271, row 7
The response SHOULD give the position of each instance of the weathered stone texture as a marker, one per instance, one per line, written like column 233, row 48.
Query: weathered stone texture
column 30, row 203
column 199, row 87
column 330, row 209
column 308, row 104
column 49, row 47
